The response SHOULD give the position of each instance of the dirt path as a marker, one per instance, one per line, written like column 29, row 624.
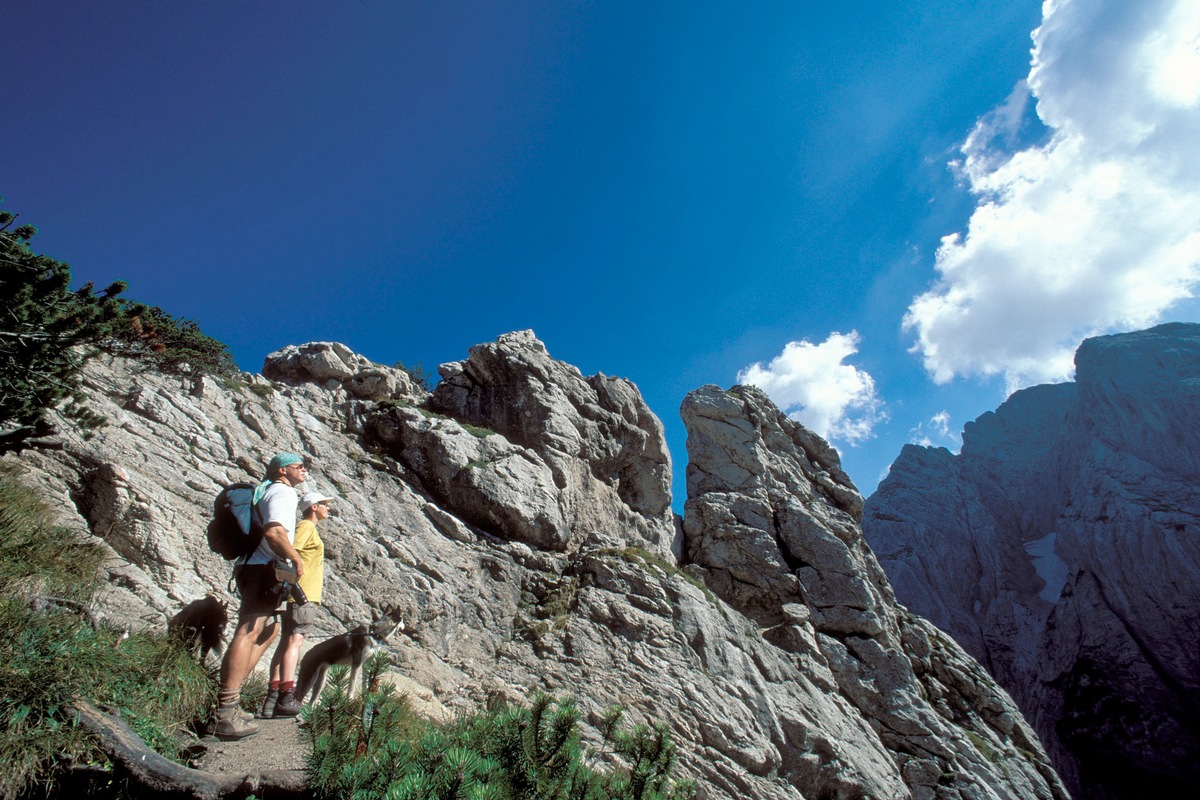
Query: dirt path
column 281, row 744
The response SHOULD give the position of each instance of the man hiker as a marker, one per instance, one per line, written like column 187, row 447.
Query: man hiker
column 300, row 615
column 275, row 501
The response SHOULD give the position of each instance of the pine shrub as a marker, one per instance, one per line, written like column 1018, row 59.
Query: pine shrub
column 376, row 747
column 169, row 343
column 45, row 329
column 48, row 331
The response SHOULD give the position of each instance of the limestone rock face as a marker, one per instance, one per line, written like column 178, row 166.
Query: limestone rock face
column 487, row 479
column 523, row 510
column 773, row 522
column 1062, row 549
column 332, row 365
column 603, row 446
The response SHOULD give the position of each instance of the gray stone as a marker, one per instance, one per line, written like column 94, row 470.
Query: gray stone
column 773, row 521
column 333, row 365
column 1060, row 548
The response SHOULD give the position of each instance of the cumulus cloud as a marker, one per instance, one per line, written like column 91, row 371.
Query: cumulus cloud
column 812, row 385
column 1097, row 230
column 936, row 432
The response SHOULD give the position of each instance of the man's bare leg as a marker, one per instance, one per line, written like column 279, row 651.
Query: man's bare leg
column 251, row 639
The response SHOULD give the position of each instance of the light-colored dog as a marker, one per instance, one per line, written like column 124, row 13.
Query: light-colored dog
column 352, row 648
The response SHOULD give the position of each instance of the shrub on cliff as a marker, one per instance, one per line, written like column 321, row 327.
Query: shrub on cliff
column 47, row 331
column 42, row 328
column 375, row 747
column 171, row 344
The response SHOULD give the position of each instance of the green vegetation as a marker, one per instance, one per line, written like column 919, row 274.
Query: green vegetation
column 261, row 389
column 42, row 331
column 48, row 331
column 638, row 555
column 35, row 552
column 376, row 747
column 476, row 431
column 418, row 374
column 171, row 344
column 985, row 749
column 52, row 656
column 552, row 611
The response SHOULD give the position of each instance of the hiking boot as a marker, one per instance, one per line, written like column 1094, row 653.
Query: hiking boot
column 268, row 706
column 210, row 727
column 287, row 705
column 230, row 726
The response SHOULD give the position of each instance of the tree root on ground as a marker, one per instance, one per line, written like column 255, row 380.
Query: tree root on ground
column 148, row 770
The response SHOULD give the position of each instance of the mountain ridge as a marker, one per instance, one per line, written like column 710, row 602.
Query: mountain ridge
column 524, row 510
column 1060, row 549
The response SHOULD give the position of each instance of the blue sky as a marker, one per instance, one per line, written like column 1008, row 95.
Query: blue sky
column 884, row 213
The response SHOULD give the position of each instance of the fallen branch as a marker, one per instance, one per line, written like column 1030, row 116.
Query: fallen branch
column 148, row 770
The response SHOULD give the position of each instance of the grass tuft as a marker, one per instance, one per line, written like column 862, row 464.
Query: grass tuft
column 638, row 555
column 51, row 658
column 37, row 554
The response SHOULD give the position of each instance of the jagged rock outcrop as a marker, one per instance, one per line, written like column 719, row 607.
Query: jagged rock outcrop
column 1061, row 548
column 774, row 523
column 525, row 510
column 604, row 448
column 337, row 366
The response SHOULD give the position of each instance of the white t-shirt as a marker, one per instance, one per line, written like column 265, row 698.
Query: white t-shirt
column 278, row 505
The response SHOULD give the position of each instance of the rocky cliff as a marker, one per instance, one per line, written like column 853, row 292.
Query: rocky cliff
column 1061, row 548
column 524, row 510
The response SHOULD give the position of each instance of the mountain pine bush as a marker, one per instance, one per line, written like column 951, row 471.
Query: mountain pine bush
column 376, row 747
column 43, row 328
column 47, row 332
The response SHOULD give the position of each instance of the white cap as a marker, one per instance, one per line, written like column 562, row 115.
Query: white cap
column 312, row 498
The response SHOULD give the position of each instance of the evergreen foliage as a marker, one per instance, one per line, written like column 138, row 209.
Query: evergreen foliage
column 49, row 659
column 47, row 331
column 43, row 327
column 171, row 344
column 376, row 747
column 419, row 375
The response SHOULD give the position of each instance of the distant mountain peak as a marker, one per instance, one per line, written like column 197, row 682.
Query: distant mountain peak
column 1062, row 547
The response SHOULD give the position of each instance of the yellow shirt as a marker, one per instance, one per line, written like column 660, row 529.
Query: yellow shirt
column 312, row 555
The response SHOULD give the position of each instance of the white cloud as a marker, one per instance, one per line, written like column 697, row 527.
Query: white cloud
column 1099, row 229
column 936, row 432
column 812, row 385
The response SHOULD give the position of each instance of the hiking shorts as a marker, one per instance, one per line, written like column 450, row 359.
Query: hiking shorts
column 259, row 590
column 299, row 619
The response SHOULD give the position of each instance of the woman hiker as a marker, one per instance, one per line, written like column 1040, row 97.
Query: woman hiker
column 298, row 618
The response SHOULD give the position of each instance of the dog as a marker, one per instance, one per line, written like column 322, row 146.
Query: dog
column 201, row 625
column 352, row 648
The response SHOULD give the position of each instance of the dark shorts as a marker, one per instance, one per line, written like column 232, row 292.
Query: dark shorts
column 259, row 590
column 299, row 619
